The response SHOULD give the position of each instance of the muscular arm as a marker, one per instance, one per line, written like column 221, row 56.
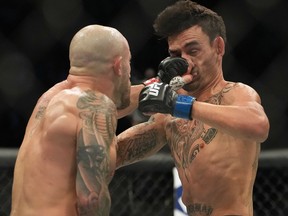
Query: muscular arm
column 94, row 141
column 243, row 116
column 134, row 96
column 141, row 141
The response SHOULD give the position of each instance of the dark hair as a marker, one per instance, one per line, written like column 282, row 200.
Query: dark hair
column 185, row 14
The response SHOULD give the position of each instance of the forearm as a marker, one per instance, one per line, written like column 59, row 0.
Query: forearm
column 249, row 122
column 138, row 142
column 134, row 97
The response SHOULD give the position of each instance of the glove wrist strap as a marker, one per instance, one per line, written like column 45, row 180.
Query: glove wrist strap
column 183, row 106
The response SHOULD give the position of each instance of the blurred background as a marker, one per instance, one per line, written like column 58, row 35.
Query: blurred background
column 35, row 37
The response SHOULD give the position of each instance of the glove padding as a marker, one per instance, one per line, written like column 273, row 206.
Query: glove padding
column 160, row 98
column 169, row 68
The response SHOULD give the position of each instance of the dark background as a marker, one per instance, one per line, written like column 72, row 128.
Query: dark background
column 35, row 37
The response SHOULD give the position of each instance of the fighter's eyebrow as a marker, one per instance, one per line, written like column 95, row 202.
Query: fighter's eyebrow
column 191, row 44
column 187, row 45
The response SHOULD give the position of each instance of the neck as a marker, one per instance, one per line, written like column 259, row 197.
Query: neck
column 211, row 88
column 100, row 84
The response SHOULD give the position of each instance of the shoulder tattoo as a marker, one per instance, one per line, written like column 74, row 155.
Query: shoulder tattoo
column 97, row 111
column 217, row 98
column 40, row 112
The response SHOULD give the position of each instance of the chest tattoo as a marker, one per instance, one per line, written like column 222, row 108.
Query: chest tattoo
column 187, row 138
column 208, row 135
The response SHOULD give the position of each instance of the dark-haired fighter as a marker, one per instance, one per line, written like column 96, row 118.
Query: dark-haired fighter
column 214, row 128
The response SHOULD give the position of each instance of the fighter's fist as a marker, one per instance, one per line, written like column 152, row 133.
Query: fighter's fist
column 160, row 98
column 168, row 68
column 171, row 67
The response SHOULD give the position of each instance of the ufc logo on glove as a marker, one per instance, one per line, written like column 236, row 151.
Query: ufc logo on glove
column 154, row 89
column 160, row 98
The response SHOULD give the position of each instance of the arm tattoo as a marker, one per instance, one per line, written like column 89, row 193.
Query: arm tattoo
column 98, row 115
column 137, row 147
column 91, row 158
column 142, row 143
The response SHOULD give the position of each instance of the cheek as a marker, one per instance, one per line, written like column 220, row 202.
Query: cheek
column 209, row 61
column 126, row 84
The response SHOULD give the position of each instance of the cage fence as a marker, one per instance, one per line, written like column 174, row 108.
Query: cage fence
column 146, row 188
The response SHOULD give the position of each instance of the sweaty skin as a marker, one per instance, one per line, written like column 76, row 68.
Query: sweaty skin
column 216, row 153
column 68, row 154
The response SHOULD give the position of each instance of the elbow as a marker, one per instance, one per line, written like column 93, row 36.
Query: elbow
column 262, row 130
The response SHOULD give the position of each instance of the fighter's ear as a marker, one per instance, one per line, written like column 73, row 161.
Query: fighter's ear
column 117, row 65
column 220, row 45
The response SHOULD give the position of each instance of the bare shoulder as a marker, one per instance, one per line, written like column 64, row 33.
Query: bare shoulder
column 238, row 87
column 235, row 92
column 63, row 108
column 95, row 101
column 96, row 108
column 76, row 99
column 57, row 112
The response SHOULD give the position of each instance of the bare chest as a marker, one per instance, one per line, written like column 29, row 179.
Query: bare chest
column 187, row 138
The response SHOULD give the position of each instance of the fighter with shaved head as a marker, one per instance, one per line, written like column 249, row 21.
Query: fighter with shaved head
column 68, row 154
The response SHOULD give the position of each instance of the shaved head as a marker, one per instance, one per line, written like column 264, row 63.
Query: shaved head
column 95, row 45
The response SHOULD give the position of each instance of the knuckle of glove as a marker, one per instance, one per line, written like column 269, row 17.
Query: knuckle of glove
column 180, row 65
column 171, row 67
